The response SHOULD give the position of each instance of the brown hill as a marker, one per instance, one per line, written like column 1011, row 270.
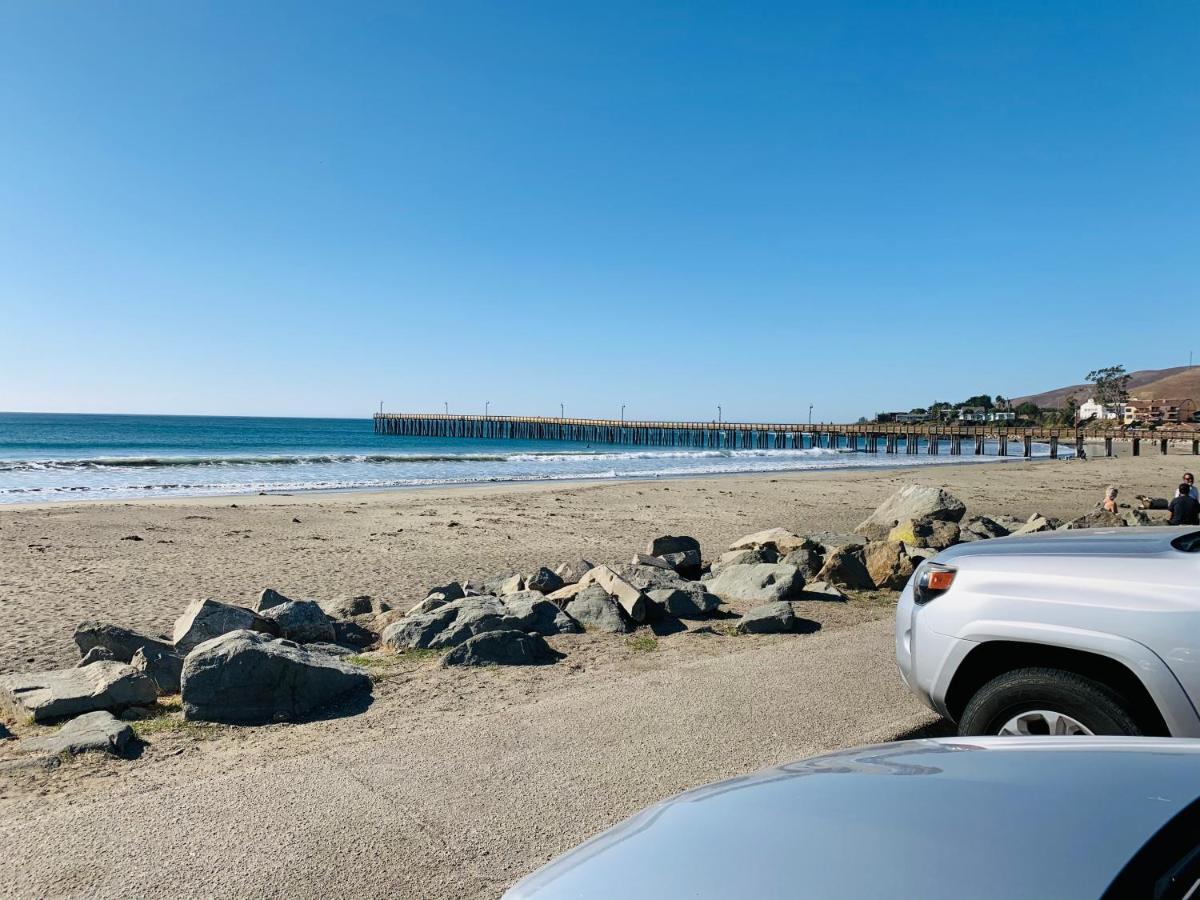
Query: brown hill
column 1147, row 384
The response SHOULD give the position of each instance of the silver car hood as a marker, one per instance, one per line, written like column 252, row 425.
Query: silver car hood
column 977, row 817
column 1138, row 541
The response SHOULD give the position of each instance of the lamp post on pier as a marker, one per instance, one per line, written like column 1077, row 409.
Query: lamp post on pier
column 622, row 413
column 562, row 414
column 718, row 413
column 486, row 404
column 446, row 404
column 810, row 406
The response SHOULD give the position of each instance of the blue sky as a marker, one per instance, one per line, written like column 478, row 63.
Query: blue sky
column 292, row 209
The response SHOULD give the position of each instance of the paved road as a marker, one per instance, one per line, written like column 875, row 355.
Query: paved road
column 400, row 802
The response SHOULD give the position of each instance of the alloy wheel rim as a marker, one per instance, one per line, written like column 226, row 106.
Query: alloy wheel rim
column 1038, row 722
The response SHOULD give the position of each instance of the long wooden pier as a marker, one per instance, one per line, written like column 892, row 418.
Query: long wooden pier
column 931, row 438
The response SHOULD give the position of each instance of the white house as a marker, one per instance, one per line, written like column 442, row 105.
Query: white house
column 1093, row 410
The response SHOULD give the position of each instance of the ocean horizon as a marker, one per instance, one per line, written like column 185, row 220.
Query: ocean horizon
column 73, row 456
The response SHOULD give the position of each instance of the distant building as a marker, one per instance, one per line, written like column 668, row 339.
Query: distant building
column 1090, row 409
column 1159, row 412
column 1002, row 416
column 972, row 414
column 906, row 418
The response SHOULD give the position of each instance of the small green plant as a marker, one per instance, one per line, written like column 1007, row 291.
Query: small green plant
column 168, row 719
column 642, row 643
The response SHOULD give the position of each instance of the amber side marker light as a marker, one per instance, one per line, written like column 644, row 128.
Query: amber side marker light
column 933, row 581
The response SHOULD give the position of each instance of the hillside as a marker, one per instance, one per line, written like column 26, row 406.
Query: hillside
column 1146, row 384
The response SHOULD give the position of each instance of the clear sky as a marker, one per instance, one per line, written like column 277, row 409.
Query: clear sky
column 294, row 208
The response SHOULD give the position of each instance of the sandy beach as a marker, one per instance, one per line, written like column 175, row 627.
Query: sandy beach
column 451, row 783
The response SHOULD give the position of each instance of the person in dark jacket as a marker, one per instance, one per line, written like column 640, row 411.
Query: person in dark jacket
column 1185, row 510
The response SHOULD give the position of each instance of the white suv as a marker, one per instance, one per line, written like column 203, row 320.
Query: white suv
column 1065, row 632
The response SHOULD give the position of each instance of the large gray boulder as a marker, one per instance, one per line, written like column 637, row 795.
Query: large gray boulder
column 982, row 528
column 206, row 619
column 544, row 581
column 808, row 560
column 348, row 606
column 268, row 598
column 530, row 611
column 596, row 611
column 765, row 554
column 94, row 732
column 571, row 572
column 97, row 654
column 680, row 552
column 46, row 696
column 912, row 501
column 925, row 533
column 631, row 599
column 503, row 647
column 644, row 577
column 764, row 582
column 781, row 539
column 446, row 626
column 247, row 677
column 845, row 568
column 1036, row 523
column 770, row 618
column 122, row 643
column 302, row 621
column 163, row 667
column 685, row 603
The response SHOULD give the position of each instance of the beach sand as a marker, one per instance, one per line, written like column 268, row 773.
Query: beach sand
column 450, row 783
column 61, row 564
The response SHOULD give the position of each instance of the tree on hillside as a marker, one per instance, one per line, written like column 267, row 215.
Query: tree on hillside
column 1001, row 402
column 978, row 400
column 1112, row 385
column 1028, row 410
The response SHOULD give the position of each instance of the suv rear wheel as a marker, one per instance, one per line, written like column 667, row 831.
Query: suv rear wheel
column 1042, row 701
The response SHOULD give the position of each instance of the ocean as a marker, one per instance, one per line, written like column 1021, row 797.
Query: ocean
column 46, row 457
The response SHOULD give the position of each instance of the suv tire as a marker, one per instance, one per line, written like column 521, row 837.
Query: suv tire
column 1091, row 703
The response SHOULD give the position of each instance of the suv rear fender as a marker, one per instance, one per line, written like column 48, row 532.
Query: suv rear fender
column 1164, row 690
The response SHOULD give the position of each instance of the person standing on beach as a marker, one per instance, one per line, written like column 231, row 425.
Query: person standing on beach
column 1189, row 482
column 1110, row 499
column 1185, row 509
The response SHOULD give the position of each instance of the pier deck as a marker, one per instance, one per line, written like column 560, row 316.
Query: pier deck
column 870, row 437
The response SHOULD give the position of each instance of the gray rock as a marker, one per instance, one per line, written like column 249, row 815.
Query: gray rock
column 353, row 635
column 822, row 590
column 645, row 578
column 764, row 554
column 206, row 619
column 764, row 582
column 1036, row 523
column 447, row 626
column 1138, row 517
column 329, row 649
column 503, row 647
column 96, row 654
column 781, row 539
column 348, row 607
column 94, row 732
column 247, row 677
column 681, row 553
column 163, row 667
column 571, row 572
column 268, row 598
column 1101, row 518
column 828, row 541
column 46, row 696
column 771, row 618
column 685, row 603
column 121, row 642
column 913, row 502
column 846, row 569
column 982, row 528
column 596, row 611
column 496, row 582
column 512, row 585
column 544, row 581
column 302, row 621
column 631, row 599
column 808, row 560
column 429, row 604
column 645, row 559
column 531, row 611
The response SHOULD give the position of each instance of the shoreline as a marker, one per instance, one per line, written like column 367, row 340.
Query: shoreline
column 547, row 482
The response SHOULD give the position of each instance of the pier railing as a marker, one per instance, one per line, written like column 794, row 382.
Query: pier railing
column 871, row 437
